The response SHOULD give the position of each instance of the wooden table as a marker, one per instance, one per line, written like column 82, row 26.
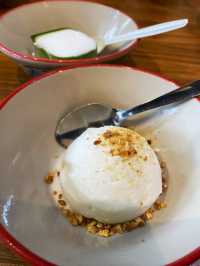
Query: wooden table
column 175, row 55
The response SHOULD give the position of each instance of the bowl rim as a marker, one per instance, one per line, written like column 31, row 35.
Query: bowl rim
column 97, row 59
column 15, row 245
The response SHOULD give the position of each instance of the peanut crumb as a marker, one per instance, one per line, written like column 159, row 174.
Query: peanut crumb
column 104, row 233
column 49, row 178
column 97, row 142
column 79, row 218
column 73, row 220
column 148, row 215
column 91, row 229
column 149, row 141
column 117, row 229
column 60, row 196
column 62, row 202
column 140, row 221
column 66, row 212
column 162, row 165
column 108, row 134
column 159, row 205
column 99, row 225
column 145, row 158
column 131, row 225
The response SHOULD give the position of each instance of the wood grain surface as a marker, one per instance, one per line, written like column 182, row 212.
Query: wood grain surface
column 175, row 55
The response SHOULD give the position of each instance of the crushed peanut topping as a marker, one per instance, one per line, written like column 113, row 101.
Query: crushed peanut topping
column 122, row 142
column 106, row 230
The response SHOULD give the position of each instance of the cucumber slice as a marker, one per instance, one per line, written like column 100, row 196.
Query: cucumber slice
column 64, row 43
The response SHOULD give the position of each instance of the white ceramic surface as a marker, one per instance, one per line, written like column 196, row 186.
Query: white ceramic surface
column 17, row 25
column 28, row 150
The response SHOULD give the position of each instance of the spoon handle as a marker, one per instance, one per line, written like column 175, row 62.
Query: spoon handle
column 148, row 31
column 184, row 93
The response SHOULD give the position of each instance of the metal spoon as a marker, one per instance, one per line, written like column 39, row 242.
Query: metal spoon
column 72, row 124
column 141, row 33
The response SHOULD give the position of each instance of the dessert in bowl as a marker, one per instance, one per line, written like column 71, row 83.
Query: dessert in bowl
column 112, row 182
column 29, row 217
column 108, row 180
column 93, row 19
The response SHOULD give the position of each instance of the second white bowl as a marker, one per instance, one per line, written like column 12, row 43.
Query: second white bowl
column 17, row 25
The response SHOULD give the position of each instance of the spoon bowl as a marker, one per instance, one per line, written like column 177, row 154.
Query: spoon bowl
column 72, row 124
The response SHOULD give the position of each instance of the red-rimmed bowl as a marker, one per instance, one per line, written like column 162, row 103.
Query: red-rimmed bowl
column 17, row 25
column 28, row 216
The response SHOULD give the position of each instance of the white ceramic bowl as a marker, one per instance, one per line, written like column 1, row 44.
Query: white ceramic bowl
column 27, row 214
column 17, row 25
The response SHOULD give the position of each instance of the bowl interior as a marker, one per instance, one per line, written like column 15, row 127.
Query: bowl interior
column 19, row 24
column 28, row 151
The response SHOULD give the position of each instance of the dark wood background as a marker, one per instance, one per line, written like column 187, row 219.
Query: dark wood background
column 175, row 55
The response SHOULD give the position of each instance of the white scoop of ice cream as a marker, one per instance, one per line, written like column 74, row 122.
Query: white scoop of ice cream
column 110, row 174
